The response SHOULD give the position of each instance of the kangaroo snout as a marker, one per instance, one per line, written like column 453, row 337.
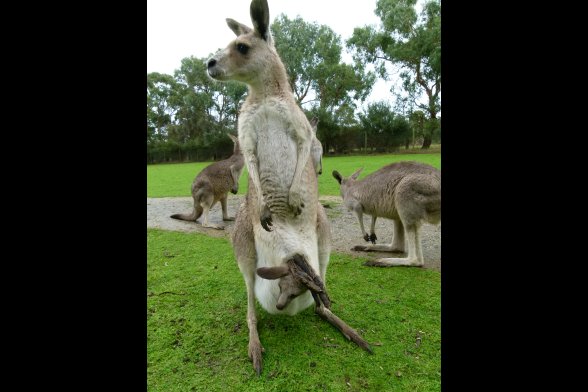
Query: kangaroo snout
column 213, row 70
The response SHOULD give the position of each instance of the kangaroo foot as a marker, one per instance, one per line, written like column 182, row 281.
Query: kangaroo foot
column 393, row 262
column 346, row 330
column 365, row 248
column 213, row 226
column 228, row 218
column 255, row 354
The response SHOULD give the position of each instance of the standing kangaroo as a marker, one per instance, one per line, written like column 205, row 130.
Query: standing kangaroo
column 213, row 184
column 281, row 236
column 408, row 193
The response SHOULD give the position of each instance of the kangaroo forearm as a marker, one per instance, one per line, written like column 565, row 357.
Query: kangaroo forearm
column 373, row 226
column 303, row 154
column 360, row 219
column 252, row 166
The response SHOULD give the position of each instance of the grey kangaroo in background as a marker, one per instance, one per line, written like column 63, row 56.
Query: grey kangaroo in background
column 213, row 184
column 316, row 148
column 281, row 236
column 408, row 193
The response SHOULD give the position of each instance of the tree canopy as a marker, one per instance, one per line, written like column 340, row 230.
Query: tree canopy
column 319, row 77
column 411, row 42
column 385, row 130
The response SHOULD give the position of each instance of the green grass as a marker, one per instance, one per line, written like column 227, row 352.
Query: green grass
column 197, row 331
column 173, row 180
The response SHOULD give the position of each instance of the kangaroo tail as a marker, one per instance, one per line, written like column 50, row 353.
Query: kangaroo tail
column 186, row 217
column 192, row 217
column 196, row 211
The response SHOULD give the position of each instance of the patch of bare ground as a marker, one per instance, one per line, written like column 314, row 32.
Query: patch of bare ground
column 344, row 226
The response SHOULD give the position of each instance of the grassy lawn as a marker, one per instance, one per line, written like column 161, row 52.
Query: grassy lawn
column 170, row 180
column 197, row 331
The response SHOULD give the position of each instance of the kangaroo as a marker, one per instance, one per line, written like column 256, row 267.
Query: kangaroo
column 213, row 184
column 408, row 193
column 316, row 149
column 281, row 236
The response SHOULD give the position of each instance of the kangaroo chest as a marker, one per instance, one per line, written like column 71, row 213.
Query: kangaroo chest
column 271, row 134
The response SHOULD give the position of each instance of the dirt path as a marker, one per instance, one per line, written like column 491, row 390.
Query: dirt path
column 344, row 226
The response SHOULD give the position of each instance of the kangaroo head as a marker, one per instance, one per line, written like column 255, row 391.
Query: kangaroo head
column 290, row 288
column 296, row 276
column 252, row 55
column 346, row 182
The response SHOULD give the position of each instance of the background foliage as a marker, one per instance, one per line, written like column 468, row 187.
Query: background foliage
column 189, row 114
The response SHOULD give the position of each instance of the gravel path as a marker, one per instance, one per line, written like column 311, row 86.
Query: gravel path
column 344, row 226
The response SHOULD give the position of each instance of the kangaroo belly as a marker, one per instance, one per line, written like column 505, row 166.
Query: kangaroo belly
column 382, row 207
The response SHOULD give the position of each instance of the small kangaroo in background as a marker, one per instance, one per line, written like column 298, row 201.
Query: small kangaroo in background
column 408, row 193
column 281, row 236
column 316, row 148
column 213, row 184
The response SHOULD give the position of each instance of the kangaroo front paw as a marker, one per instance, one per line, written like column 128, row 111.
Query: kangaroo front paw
column 295, row 201
column 234, row 190
column 266, row 218
column 373, row 238
column 366, row 237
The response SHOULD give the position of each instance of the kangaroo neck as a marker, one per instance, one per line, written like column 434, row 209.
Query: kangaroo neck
column 273, row 83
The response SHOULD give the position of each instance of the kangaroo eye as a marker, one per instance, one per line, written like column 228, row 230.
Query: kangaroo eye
column 242, row 48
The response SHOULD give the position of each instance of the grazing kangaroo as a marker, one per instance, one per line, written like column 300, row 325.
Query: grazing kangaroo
column 409, row 193
column 281, row 236
column 213, row 184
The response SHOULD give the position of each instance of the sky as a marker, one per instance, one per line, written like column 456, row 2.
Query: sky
column 182, row 28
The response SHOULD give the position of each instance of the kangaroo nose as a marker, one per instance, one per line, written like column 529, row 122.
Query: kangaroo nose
column 211, row 63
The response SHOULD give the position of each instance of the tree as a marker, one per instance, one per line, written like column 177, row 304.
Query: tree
column 160, row 88
column 413, row 44
column 417, row 120
column 312, row 56
column 384, row 129
column 206, row 109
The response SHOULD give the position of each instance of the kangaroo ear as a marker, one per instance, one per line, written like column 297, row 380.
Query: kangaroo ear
column 259, row 11
column 337, row 176
column 273, row 272
column 356, row 174
column 238, row 28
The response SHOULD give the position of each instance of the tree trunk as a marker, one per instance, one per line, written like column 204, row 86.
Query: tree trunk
column 426, row 142
column 429, row 127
